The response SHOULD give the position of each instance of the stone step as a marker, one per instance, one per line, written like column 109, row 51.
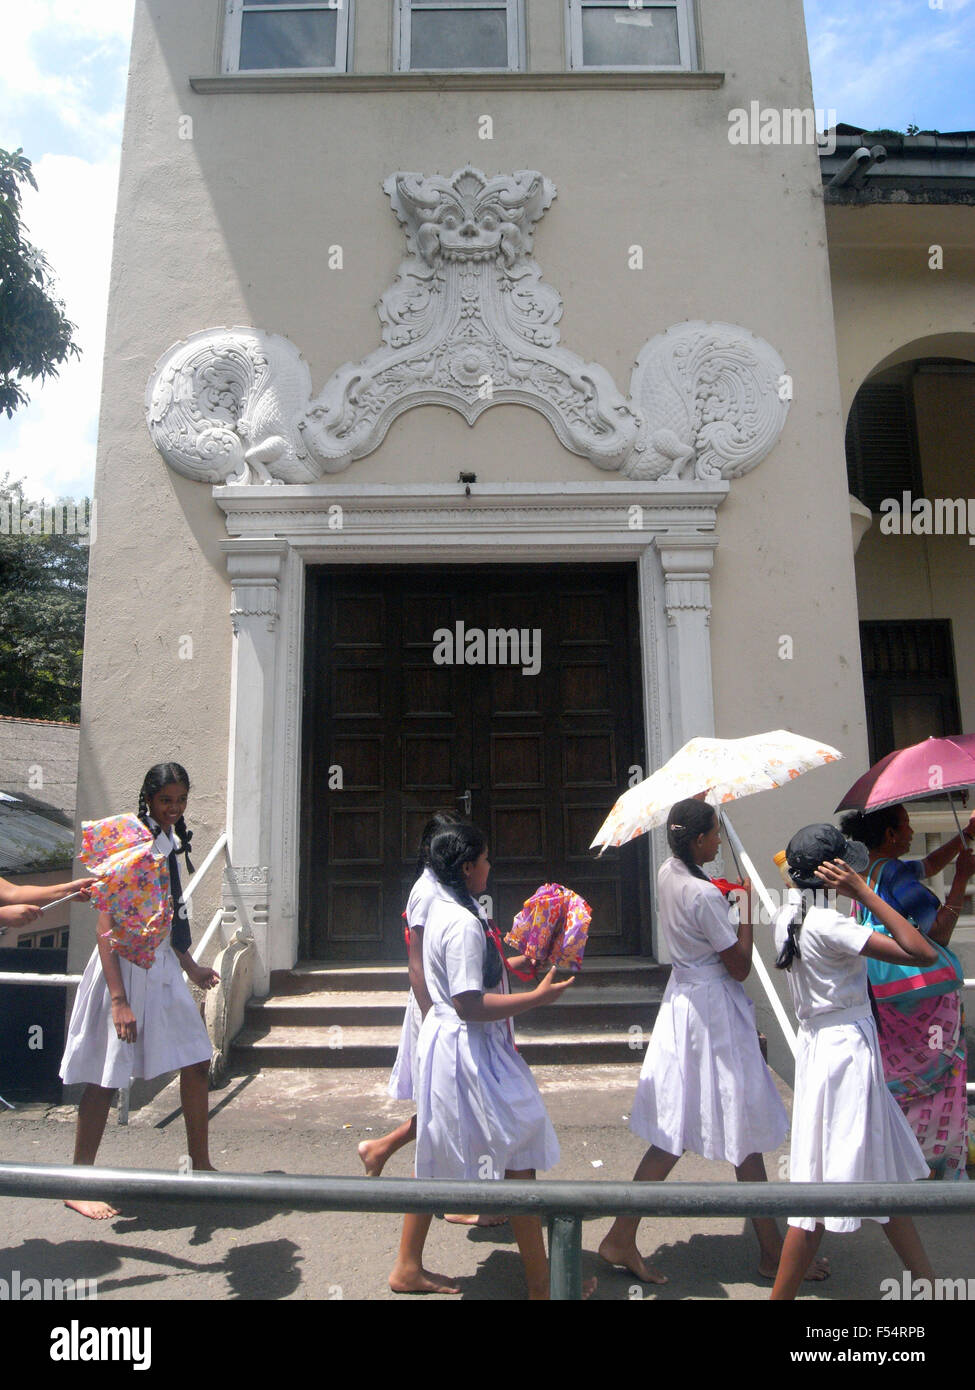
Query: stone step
column 582, row 1007
column 283, row 1046
column 316, row 977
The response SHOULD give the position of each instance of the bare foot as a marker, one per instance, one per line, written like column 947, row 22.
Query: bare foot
column 589, row 1287
column 817, row 1271
column 469, row 1220
column 420, row 1281
column 374, row 1160
column 629, row 1257
column 97, row 1211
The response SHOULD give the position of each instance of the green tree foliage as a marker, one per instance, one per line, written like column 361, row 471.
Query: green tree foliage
column 35, row 334
column 43, row 586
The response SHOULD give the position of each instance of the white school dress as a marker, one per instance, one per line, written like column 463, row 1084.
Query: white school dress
column 402, row 1083
column 704, row 1086
column 479, row 1111
column 846, row 1126
column 170, row 1033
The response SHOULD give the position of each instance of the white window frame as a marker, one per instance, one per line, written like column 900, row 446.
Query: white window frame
column 233, row 25
column 515, row 26
column 685, row 35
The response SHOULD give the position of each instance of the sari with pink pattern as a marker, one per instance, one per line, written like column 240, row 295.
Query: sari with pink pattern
column 922, row 1041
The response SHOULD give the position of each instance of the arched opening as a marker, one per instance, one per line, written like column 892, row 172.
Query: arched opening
column 910, row 444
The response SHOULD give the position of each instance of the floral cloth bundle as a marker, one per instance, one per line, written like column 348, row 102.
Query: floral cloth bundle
column 552, row 927
column 132, row 884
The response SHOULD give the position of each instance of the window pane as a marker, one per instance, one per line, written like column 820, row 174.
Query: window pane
column 288, row 40
column 623, row 37
column 468, row 39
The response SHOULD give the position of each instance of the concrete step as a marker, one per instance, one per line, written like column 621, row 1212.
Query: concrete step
column 341, row 1046
column 582, row 1007
column 316, row 977
column 322, row 1014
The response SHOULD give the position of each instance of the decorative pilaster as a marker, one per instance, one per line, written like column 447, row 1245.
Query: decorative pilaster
column 254, row 567
column 687, row 561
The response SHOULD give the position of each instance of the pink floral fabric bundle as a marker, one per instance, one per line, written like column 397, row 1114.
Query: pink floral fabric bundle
column 132, row 884
column 552, row 927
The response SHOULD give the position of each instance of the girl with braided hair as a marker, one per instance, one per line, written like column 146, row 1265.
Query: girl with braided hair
column 132, row 1021
column 479, row 1113
column 704, row 1086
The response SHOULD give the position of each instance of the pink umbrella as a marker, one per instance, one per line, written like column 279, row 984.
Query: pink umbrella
column 935, row 765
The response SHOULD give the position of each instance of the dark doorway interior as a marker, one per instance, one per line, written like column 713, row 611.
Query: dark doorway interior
column 392, row 734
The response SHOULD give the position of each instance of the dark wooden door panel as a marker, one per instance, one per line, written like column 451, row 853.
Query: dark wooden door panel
column 539, row 729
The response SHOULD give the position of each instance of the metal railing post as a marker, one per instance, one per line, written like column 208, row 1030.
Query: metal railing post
column 565, row 1257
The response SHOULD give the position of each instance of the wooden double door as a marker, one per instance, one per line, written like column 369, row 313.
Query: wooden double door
column 511, row 695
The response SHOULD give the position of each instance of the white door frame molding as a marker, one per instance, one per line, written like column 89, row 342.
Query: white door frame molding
column 274, row 532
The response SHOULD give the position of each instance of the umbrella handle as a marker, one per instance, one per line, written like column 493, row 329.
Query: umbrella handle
column 738, row 849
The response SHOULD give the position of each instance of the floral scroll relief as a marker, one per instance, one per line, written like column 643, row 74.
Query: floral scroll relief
column 468, row 323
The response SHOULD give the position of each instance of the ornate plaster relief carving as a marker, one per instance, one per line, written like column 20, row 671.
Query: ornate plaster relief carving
column 468, row 323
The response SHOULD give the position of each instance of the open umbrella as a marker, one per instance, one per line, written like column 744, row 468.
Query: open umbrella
column 725, row 769
column 132, row 883
column 924, row 769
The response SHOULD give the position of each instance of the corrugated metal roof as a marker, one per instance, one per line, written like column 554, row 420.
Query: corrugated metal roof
column 29, row 841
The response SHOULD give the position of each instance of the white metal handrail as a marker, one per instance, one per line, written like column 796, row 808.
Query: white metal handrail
column 203, row 870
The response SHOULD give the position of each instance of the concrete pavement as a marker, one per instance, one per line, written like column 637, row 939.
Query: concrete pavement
column 310, row 1121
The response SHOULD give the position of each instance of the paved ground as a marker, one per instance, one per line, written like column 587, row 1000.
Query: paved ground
column 304, row 1122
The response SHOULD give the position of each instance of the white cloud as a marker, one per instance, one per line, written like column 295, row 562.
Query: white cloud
column 61, row 98
column 37, row 84
column 51, row 443
column 870, row 63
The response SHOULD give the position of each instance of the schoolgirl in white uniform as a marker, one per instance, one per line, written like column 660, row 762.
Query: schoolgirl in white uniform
column 131, row 1021
column 704, row 1086
column 376, row 1153
column 479, row 1113
column 846, row 1126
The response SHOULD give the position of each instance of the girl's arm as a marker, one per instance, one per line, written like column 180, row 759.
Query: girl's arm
column 909, row 946
column 738, row 958
column 945, row 853
column 948, row 914
column 18, row 914
column 11, row 894
column 200, row 975
column 418, row 982
column 473, row 1007
column 122, row 1016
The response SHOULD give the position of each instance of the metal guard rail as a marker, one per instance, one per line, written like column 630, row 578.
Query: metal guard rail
column 566, row 1204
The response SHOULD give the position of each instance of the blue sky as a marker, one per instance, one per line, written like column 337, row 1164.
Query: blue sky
column 894, row 63
column 886, row 63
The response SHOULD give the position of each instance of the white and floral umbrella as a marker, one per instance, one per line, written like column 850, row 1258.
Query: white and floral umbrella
column 723, row 769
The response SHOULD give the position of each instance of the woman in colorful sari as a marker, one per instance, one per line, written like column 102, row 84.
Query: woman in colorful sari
column 922, row 1039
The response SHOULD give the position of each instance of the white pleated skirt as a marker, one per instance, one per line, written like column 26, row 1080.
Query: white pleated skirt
column 704, row 1086
column 402, row 1081
column 479, row 1111
column 170, row 1033
column 846, row 1126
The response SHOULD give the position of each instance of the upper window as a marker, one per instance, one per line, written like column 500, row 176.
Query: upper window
column 283, row 34
column 461, row 35
column 639, row 34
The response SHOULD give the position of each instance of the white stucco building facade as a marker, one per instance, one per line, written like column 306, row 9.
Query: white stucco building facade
column 338, row 289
